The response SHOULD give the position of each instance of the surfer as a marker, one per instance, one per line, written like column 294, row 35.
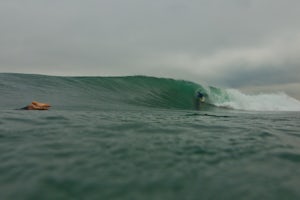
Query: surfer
column 37, row 106
column 200, row 96
column 199, row 99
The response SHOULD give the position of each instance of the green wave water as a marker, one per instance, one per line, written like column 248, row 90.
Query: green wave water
column 131, row 91
column 134, row 138
column 97, row 92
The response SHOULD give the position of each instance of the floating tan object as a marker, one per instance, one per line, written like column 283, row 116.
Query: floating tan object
column 37, row 106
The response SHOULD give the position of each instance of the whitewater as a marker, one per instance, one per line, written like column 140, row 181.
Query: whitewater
column 139, row 137
column 260, row 102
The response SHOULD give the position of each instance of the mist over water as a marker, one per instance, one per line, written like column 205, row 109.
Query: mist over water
column 143, row 138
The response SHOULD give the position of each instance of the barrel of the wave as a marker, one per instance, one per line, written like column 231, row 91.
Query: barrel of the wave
column 200, row 99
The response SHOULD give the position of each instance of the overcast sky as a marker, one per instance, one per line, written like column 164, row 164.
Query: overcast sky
column 230, row 43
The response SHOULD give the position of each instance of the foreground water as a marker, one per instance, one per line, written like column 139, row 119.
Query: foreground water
column 113, row 151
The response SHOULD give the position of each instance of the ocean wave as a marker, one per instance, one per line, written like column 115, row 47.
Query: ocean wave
column 131, row 91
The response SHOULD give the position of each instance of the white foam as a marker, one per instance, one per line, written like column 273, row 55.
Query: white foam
column 260, row 102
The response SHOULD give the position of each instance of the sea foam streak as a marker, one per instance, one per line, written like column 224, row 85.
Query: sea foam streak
column 259, row 102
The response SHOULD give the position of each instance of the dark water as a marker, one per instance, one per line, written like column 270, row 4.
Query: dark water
column 140, row 138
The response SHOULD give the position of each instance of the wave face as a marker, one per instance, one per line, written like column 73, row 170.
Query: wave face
column 97, row 92
column 130, row 92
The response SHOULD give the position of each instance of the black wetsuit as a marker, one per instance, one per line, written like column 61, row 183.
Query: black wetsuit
column 199, row 97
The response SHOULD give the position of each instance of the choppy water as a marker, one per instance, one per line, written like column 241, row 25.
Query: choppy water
column 141, row 138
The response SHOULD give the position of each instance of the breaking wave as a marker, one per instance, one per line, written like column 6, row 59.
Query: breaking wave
column 130, row 91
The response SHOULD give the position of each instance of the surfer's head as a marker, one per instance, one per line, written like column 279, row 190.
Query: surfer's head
column 200, row 95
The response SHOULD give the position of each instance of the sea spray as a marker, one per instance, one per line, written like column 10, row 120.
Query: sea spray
column 259, row 102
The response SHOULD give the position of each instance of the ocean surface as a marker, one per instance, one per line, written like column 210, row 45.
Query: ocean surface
column 145, row 138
